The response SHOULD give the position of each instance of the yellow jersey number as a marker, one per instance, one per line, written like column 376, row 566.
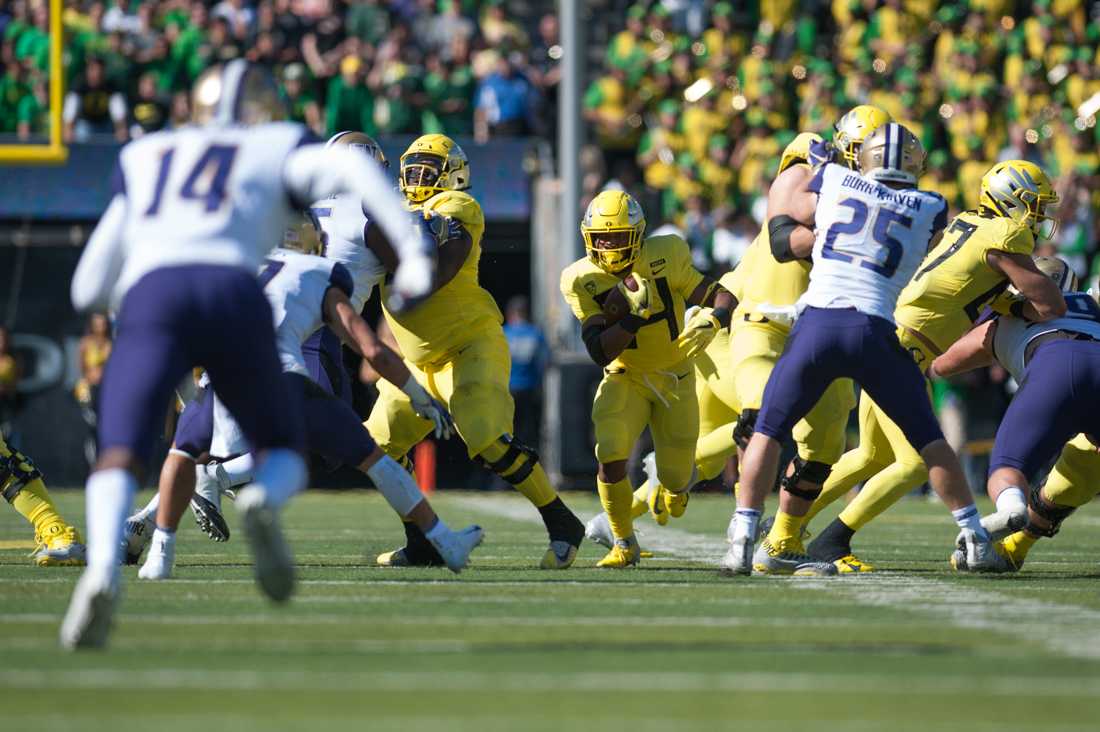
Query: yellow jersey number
column 964, row 230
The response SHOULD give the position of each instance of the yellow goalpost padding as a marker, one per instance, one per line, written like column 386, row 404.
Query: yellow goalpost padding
column 54, row 152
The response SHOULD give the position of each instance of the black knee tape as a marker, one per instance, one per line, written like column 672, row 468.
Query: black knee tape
column 746, row 425
column 1052, row 512
column 810, row 471
column 13, row 476
column 518, row 455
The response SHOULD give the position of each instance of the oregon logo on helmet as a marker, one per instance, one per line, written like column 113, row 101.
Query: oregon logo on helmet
column 1021, row 191
column 431, row 165
column 853, row 128
column 612, row 228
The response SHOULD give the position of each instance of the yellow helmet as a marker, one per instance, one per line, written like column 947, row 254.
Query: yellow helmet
column 431, row 165
column 362, row 142
column 854, row 127
column 892, row 154
column 1021, row 191
column 304, row 235
column 798, row 151
column 1058, row 270
column 236, row 93
column 612, row 228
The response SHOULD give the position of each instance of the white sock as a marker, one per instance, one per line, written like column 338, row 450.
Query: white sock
column 1012, row 500
column 396, row 485
column 240, row 469
column 745, row 522
column 440, row 529
column 148, row 513
column 281, row 473
column 108, row 498
column 163, row 537
column 968, row 518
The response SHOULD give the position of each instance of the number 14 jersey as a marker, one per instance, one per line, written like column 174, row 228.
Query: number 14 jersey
column 870, row 240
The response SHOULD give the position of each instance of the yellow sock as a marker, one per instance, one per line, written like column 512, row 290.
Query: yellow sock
column 736, row 488
column 786, row 528
column 640, row 504
column 616, row 499
column 35, row 504
column 535, row 486
column 1018, row 545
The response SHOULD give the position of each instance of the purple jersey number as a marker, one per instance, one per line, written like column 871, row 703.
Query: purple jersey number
column 213, row 166
column 883, row 220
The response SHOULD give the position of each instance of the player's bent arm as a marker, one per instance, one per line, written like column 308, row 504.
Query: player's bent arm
column 350, row 328
column 713, row 295
column 605, row 342
column 974, row 350
column 452, row 255
column 791, row 208
column 1045, row 301
column 101, row 262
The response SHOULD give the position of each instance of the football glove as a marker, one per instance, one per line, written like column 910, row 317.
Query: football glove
column 638, row 300
column 781, row 314
column 429, row 408
column 698, row 333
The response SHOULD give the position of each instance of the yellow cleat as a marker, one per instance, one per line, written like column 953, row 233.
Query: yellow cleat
column 658, row 504
column 624, row 554
column 851, row 564
column 559, row 555
column 676, row 503
column 396, row 558
column 59, row 545
column 789, row 558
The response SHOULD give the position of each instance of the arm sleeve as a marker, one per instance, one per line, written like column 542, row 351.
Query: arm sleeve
column 101, row 262
column 313, row 172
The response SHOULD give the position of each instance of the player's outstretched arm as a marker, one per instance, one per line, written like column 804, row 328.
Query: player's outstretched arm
column 974, row 350
column 101, row 262
column 791, row 208
column 1044, row 298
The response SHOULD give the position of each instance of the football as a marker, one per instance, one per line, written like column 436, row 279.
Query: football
column 616, row 306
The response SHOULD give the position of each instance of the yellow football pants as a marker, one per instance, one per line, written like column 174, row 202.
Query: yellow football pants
column 1075, row 479
column 473, row 385
column 719, row 408
column 627, row 401
column 884, row 458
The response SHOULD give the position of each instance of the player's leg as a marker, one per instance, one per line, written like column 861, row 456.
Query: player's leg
column 620, row 411
column 675, row 427
column 475, row 389
column 22, row 486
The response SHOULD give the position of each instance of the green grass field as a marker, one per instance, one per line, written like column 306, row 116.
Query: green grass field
column 668, row 645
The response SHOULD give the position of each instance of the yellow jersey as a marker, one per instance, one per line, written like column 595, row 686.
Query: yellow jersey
column 760, row 278
column 458, row 312
column 955, row 281
column 666, row 262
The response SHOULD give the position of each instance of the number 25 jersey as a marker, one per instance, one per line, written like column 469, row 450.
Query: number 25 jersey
column 666, row 262
column 870, row 240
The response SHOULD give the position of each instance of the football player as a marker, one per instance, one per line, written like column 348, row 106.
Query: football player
column 56, row 542
column 868, row 233
column 1057, row 364
column 983, row 252
column 647, row 360
column 453, row 342
column 194, row 212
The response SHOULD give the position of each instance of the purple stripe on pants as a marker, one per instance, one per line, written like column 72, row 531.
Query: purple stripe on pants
column 1059, row 398
column 212, row 316
column 827, row 344
column 195, row 428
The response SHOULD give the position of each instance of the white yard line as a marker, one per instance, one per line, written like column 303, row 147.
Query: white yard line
column 1074, row 632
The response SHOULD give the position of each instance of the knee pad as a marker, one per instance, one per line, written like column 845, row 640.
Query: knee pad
column 16, row 470
column 1052, row 512
column 811, row 471
column 746, row 425
column 516, row 464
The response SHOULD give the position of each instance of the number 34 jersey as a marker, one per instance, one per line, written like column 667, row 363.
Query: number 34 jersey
column 666, row 262
column 955, row 282
column 178, row 186
column 870, row 240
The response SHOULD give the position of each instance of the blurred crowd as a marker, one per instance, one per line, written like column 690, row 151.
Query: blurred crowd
column 696, row 100
column 461, row 67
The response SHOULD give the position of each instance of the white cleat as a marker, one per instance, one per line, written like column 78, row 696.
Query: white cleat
column 136, row 535
column 273, row 563
column 206, row 505
column 738, row 559
column 779, row 561
column 455, row 546
column 91, row 611
column 1003, row 523
column 598, row 529
column 162, row 557
column 980, row 556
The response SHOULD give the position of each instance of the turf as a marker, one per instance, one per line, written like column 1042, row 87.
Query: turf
column 668, row 645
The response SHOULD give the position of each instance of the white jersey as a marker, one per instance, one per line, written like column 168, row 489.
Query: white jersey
column 295, row 285
column 345, row 228
column 1013, row 335
column 870, row 240
column 204, row 195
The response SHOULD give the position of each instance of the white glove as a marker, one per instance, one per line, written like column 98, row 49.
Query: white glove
column 427, row 407
column 781, row 314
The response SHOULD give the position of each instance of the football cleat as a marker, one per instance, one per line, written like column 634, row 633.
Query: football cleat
column 206, row 505
column 624, row 554
column 598, row 529
column 566, row 534
column 1003, row 523
column 59, row 546
column 559, row 555
column 404, row 557
column 975, row 553
column 851, row 564
column 738, row 558
column 676, row 503
column 455, row 546
column 768, row 522
column 91, row 611
column 136, row 535
column 160, row 560
column 273, row 563
column 789, row 558
column 1001, row 561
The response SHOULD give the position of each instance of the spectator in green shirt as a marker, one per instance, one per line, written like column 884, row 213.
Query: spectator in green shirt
column 300, row 102
column 34, row 42
column 449, row 89
column 349, row 104
column 30, row 115
column 14, row 86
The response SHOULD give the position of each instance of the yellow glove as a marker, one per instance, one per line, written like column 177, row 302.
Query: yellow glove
column 699, row 331
column 638, row 300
